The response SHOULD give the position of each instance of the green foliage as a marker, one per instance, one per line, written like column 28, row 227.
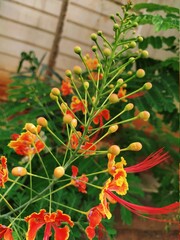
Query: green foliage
column 160, row 22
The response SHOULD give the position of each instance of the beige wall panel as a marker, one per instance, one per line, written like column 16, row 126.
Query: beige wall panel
column 49, row 6
column 27, row 34
column 24, row 15
column 8, row 63
column 89, row 19
column 7, row 47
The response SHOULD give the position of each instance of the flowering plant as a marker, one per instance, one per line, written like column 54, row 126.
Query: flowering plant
column 76, row 157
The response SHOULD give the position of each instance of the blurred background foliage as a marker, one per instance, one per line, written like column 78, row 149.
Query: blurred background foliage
column 28, row 98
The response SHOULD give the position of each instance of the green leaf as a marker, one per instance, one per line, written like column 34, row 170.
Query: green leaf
column 126, row 215
column 151, row 7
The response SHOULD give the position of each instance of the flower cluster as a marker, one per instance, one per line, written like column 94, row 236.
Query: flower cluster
column 82, row 160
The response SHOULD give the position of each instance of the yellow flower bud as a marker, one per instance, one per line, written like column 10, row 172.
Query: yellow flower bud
column 77, row 50
column 113, row 128
column 140, row 73
column 129, row 107
column 135, row 146
column 31, row 128
column 113, row 98
column 55, row 91
column 144, row 115
column 77, row 70
column 74, row 123
column 147, row 86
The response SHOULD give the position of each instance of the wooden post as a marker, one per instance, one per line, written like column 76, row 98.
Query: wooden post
column 55, row 46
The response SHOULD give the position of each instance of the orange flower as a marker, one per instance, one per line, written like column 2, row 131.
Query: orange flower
column 92, row 64
column 26, row 144
column 88, row 148
column 119, row 184
column 78, row 105
column 66, row 87
column 74, row 141
column 50, row 220
column 121, row 93
column 3, row 171
column 94, row 216
column 98, row 119
column 79, row 182
column 5, row 233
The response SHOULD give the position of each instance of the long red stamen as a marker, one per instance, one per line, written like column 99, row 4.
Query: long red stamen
column 151, row 161
column 139, row 210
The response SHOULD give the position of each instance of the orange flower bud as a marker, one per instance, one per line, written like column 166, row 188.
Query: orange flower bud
column 114, row 149
column 144, row 115
column 42, row 122
column 59, row 172
column 19, row 171
column 135, row 146
column 67, row 118
column 113, row 98
column 55, row 91
column 113, row 128
column 140, row 73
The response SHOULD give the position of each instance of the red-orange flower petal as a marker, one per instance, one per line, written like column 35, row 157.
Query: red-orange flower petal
column 26, row 144
column 5, row 233
column 140, row 210
column 78, row 105
column 88, row 148
column 50, row 220
column 66, row 88
column 104, row 114
column 3, row 171
column 79, row 182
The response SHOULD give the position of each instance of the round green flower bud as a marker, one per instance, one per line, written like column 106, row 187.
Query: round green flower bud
column 147, row 86
column 144, row 54
column 140, row 39
column 116, row 26
column 132, row 44
column 140, row 73
column 68, row 73
column 135, row 24
column 99, row 33
column 77, row 70
column 77, row 50
column 94, row 36
column 86, row 85
column 107, row 52
column 94, row 48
